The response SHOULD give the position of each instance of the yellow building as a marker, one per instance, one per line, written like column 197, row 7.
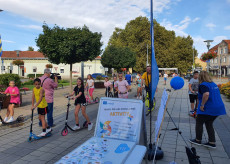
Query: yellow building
column 203, row 64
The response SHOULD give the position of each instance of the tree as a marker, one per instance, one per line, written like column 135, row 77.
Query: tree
column 170, row 51
column 118, row 57
column 18, row 63
column 49, row 66
column 70, row 45
column 30, row 48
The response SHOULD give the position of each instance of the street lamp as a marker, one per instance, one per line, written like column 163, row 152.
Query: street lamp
column 208, row 43
column 1, row 10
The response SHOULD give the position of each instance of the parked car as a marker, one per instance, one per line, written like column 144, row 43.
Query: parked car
column 94, row 75
column 188, row 76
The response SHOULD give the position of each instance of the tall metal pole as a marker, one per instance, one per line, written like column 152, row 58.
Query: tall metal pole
column 82, row 70
column 193, row 64
column 2, row 63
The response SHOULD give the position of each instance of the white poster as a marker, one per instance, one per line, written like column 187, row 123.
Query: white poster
column 119, row 119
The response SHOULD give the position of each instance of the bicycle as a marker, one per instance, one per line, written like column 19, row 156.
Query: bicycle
column 147, row 103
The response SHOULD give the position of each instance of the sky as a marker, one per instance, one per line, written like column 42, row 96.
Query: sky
column 21, row 21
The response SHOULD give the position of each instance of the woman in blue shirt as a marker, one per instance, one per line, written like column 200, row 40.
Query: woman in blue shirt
column 209, row 108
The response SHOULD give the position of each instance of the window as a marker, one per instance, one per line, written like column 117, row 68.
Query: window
column 62, row 70
column 224, row 59
column 226, row 50
column 215, row 60
column 221, row 51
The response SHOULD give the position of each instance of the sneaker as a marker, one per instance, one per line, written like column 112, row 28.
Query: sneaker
column 76, row 127
column 6, row 118
column 48, row 130
column 209, row 145
column 10, row 120
column 90, row 126
column 191, row 112
column 43, row 134
column 0, row 122
column 194, row 141
column 137, row 97
column 140, row 97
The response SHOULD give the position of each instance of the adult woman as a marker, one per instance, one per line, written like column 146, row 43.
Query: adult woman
column 90, row 86
column 210, row 107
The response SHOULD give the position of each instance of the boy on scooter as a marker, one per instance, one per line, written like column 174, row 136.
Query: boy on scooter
column 41, row 105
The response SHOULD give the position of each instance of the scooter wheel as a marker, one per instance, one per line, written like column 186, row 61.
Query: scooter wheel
column 85, row 125
column 96, row 100
column 29, row 139
column 64, row 132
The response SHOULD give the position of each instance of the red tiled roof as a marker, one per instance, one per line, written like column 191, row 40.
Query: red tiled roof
column 228, row 42
column 214, row 48
column 26, row 55
column 23, row 54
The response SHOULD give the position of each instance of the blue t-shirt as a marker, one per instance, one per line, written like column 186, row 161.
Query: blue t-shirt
column 128, row 77
column 214, row 105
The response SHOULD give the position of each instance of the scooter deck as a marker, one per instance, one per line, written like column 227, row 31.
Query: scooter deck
column 33, row 137
column 20, row 119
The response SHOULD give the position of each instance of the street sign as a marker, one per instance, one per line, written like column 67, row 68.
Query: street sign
column 106, row 69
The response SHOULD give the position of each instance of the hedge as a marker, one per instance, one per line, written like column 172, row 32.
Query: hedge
column 33, row 75
column 6, row 78
column 225, row 89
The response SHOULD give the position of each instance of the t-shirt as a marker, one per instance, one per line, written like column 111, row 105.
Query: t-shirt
column 128, row 77
column 146, row 78
column 122, row 86
column 114, row 84
column 165, row 75
column 203, row 89
column 13, row 90
column 107, row 84
column 195, row 85
column 90, row 83
column 43, row 103
column 77, row 90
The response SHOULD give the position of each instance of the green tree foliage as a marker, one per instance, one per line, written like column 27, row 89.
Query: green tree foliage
column 30, row 48
column 118, row 57
column 70, row 45
column 170, row 51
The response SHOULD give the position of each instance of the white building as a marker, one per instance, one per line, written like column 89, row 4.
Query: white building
column 35, row 62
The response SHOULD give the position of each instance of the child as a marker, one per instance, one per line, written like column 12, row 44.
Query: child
column 41, row 105
column 90, row 85
column 122, row 87
column 80, row 102
column 165, row 77
column 114, row 86
column 193, row 92
column 139, row 82
column 108, row 86
column 14, row 94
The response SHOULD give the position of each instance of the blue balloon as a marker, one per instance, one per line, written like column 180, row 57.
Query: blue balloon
column 177, row 83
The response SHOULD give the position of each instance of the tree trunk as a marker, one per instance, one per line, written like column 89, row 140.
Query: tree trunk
column 71, row 86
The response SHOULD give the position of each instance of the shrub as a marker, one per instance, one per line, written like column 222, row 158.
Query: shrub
column 33, row 75
column 225, row 89
column 63, row 81
column 100, row 78
column 6, row 78
column 30, row 82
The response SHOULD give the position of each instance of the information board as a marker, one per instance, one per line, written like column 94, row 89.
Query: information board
column 119, row 119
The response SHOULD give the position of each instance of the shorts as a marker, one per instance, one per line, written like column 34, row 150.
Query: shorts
column 80, row 102
column 42, row 111
column 13, row 103
column 129, row 82
column 165, row 78
column 192, row 98
column 123, row 96
column 91, row 91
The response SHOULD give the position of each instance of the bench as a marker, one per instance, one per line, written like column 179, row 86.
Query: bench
column 117, row 135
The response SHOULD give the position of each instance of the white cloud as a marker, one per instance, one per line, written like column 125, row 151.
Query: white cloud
column 34, row 27
column 100, row 15
column 211, row 26
column 227, row 27
column 196, row 19
column 8, row 41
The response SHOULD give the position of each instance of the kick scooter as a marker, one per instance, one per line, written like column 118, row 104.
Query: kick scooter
column 64, row 131
column 33, row 136
column 96, row 100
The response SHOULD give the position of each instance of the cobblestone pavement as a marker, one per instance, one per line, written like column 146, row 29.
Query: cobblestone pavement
column 15, row 149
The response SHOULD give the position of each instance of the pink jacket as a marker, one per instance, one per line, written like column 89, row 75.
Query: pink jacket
column 48, row 86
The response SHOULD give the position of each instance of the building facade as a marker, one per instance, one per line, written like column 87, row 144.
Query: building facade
column 221, row 64
column 35, row 63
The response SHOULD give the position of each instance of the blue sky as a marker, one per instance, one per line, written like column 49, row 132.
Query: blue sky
column 21, row 21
